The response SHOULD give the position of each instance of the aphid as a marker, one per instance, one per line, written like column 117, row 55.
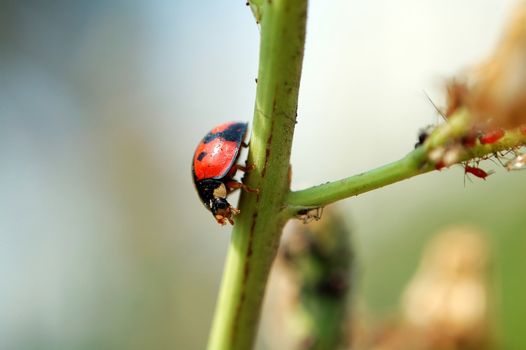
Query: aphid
column 478, row 172
column 491, row 137
column 309, row 215
column 423, row 134
column 214, row 166
column 519, row 163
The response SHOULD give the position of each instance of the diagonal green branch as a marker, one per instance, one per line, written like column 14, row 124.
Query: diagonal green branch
column 415, row 163
column 330, row 192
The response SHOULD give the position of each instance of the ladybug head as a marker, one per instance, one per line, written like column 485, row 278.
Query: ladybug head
column 213, row 193
column 222, row 210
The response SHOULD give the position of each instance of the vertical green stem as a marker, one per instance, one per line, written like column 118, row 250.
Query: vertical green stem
column 257, row 230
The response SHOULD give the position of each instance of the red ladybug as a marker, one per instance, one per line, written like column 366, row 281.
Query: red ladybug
column 214, row 166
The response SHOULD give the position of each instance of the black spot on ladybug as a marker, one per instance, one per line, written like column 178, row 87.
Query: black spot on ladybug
column 201, row 156
column 232, row 133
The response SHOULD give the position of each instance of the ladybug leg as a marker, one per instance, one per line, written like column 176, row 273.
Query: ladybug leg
column 232, row 172
column 245, row 169
column 233, row 212
column 234, row 185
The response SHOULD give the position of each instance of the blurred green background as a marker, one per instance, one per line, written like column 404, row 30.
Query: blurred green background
column 103, row 241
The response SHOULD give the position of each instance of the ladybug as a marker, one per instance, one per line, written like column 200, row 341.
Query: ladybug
column 214, row 166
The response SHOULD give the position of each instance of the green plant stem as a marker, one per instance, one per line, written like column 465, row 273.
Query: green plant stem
column 330, row 192
column 257, row 230
column 415, row 163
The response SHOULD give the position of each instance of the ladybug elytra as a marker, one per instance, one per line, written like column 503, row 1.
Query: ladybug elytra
column 214, row 166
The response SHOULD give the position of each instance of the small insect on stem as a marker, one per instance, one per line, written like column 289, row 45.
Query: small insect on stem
column 423, row 134
column 476, row 171
column 491, row 137
column 309, row 215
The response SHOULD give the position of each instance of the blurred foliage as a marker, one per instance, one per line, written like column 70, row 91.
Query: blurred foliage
column 310, row 286
column 394, row 260
column 448, row 303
